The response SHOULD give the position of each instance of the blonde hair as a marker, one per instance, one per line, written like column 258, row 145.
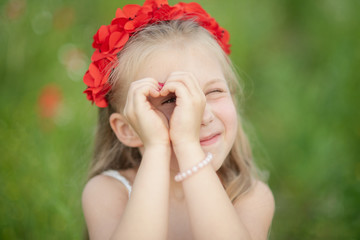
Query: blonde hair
column 237, row 171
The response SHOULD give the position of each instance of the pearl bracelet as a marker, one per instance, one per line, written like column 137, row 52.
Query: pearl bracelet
column 181, row 176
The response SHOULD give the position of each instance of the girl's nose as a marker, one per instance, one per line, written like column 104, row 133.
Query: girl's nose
column 208, row 116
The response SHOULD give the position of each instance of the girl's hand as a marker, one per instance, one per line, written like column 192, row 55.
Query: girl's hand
column 150, row 124
column 186, row 118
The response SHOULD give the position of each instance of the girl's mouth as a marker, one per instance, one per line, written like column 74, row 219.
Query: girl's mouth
column 209, row 140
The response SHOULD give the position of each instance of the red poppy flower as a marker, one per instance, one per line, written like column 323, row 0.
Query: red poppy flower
column 49, row 101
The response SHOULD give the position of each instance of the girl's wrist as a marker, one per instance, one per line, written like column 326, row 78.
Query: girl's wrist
column 188, row 154
column 189, row 172
column 163, row 149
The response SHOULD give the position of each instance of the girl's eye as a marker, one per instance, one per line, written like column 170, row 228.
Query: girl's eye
column 170, row 100
column 215, row 91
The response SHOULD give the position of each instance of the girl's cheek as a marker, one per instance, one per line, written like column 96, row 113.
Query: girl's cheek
column 225, row 109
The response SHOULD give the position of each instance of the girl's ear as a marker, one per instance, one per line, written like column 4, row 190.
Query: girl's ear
column 123, row 131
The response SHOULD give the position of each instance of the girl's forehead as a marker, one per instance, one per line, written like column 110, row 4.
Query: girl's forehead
column 203, row 64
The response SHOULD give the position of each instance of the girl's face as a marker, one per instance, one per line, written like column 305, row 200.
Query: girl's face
column 219, row 123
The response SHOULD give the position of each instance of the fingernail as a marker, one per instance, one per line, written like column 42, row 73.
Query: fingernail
column 161, row 85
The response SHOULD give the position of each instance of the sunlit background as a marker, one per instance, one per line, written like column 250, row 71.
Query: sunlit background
column 299, row 61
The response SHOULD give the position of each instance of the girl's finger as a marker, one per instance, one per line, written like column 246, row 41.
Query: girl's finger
column 139, row 91
column 145, row 81
column 185, row 87
column 142, row 93
column 178, row 88
column 188, row 79
column 147, row 86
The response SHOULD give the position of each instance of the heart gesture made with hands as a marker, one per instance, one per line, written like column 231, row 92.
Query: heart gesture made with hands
column 164, row 113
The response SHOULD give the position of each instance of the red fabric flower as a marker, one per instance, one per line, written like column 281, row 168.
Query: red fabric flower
column 110, row 39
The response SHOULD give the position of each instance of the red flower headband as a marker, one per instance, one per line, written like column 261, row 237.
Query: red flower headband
column 110, row 39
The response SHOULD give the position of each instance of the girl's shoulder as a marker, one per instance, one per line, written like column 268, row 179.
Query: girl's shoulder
column 256, row 209
column 111, row 182
column 258, row 197
column 101, row 189
column 104, row 197
column 259, row 191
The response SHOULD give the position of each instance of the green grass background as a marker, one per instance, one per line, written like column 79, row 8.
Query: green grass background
column 299, row 60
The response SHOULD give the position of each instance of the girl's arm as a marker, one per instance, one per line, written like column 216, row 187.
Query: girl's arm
column 146, row 213
column 212, row 215
column 211, row 212
column 110, row 214
column 108, row 211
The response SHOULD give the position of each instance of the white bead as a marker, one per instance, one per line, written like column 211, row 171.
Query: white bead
column 181, row 176
column 177, row 178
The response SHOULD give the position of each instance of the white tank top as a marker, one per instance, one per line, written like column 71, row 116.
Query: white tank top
column 115, row 174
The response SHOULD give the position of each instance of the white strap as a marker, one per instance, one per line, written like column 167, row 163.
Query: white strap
column 115, row 174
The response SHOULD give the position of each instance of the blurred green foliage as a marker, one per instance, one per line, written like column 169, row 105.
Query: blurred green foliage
column 299, row 61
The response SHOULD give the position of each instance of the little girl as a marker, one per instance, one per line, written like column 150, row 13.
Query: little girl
column 171, row 158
